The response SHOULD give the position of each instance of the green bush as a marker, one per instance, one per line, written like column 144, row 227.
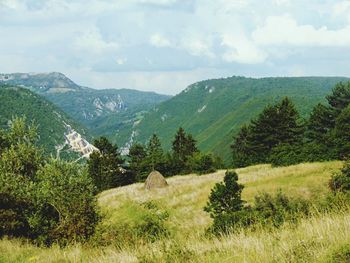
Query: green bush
column 341, row 255
column 46, row 201
column 67, row 190
column 134, row 223
column 341, row 181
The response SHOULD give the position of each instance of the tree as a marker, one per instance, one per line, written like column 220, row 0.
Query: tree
column 340, row 97
column 225, row 197
column 155, row 154
column 342, row 133
column 242, row 151
column 105, row 166
column 276, row 125
column 138, row 162
column 184, row 147
column 320, row 123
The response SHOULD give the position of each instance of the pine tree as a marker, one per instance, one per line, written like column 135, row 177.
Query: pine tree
column 276, row 125
column 320, row 123
column 184, row 147
column 138, row 162
column 225, row 197
column 155, row 154
column 241, row 149
column 340, row 97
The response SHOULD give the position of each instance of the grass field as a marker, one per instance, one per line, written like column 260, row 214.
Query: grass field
column 317, row 239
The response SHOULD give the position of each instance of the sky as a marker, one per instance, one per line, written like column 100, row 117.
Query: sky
column 166, row 45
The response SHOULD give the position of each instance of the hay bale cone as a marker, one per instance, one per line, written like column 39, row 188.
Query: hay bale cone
column 155, row 180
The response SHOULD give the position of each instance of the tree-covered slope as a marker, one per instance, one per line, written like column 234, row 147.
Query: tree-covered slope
column 214, row 110
column 15, row 101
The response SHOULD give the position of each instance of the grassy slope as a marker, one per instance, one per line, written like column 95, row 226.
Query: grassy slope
column 312, row 240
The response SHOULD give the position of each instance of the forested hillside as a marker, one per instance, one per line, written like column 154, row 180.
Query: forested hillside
column 15, row 101
column 214, row 110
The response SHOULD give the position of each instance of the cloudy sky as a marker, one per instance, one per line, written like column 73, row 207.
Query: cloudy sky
column 165, row 45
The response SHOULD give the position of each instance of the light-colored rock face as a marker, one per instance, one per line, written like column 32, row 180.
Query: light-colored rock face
column 105, row 104
column 77, row 143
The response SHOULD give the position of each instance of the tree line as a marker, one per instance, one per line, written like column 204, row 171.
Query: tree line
column 109, row 169
column 280, row 136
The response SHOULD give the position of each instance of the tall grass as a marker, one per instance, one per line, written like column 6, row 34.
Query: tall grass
column 315, row 239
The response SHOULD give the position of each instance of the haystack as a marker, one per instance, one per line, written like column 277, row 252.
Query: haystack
column 155, row 180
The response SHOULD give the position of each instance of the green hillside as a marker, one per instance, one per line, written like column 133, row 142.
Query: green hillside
column 214, row 110
column 15, row 101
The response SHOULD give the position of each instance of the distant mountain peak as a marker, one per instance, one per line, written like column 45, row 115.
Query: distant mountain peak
column 51, row 82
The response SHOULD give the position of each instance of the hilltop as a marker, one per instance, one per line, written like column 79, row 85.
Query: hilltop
column 321, row 238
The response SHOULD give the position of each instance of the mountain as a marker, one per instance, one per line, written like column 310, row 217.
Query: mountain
column 107, row 112
column 53, row 82
column 214, row 110
column 55, row 127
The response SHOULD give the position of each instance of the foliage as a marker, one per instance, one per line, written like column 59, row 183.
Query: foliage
column 47, row 201
column 138, row 161
column 49, row 120
column 135, row 222
column 225, row 197
column 68, row 190
column 105, row 166
column 155, row 154
column 341, row 181
column 277, row 125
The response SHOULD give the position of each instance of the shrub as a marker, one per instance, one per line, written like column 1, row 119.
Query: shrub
column 133, row 223
column 66, row 190
column 341, row 181
column 341, row 254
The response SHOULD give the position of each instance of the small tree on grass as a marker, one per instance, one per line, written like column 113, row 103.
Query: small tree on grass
column 225, row 197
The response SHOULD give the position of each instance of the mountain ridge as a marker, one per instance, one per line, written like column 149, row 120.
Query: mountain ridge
column 214, row 110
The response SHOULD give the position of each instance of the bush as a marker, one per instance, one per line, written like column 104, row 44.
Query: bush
column 66, row 190
column 201, row 163
column 341, row 181
column 341, row 255
column 133, row 223
column 276, row 210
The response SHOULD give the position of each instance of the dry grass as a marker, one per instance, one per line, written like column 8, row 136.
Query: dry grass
column 311, row 241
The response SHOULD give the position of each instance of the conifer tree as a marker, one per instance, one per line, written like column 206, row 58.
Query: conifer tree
column 138, row 162
column 155, row 153
column 340, row 97
column 225, row 197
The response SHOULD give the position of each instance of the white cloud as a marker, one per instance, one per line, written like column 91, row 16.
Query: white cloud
column 93, row 42
column 284, row 30
column 158, row 40
column 197, row 47
column 241, row 50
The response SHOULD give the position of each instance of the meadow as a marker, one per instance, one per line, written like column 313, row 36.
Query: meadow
column 323, row 237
